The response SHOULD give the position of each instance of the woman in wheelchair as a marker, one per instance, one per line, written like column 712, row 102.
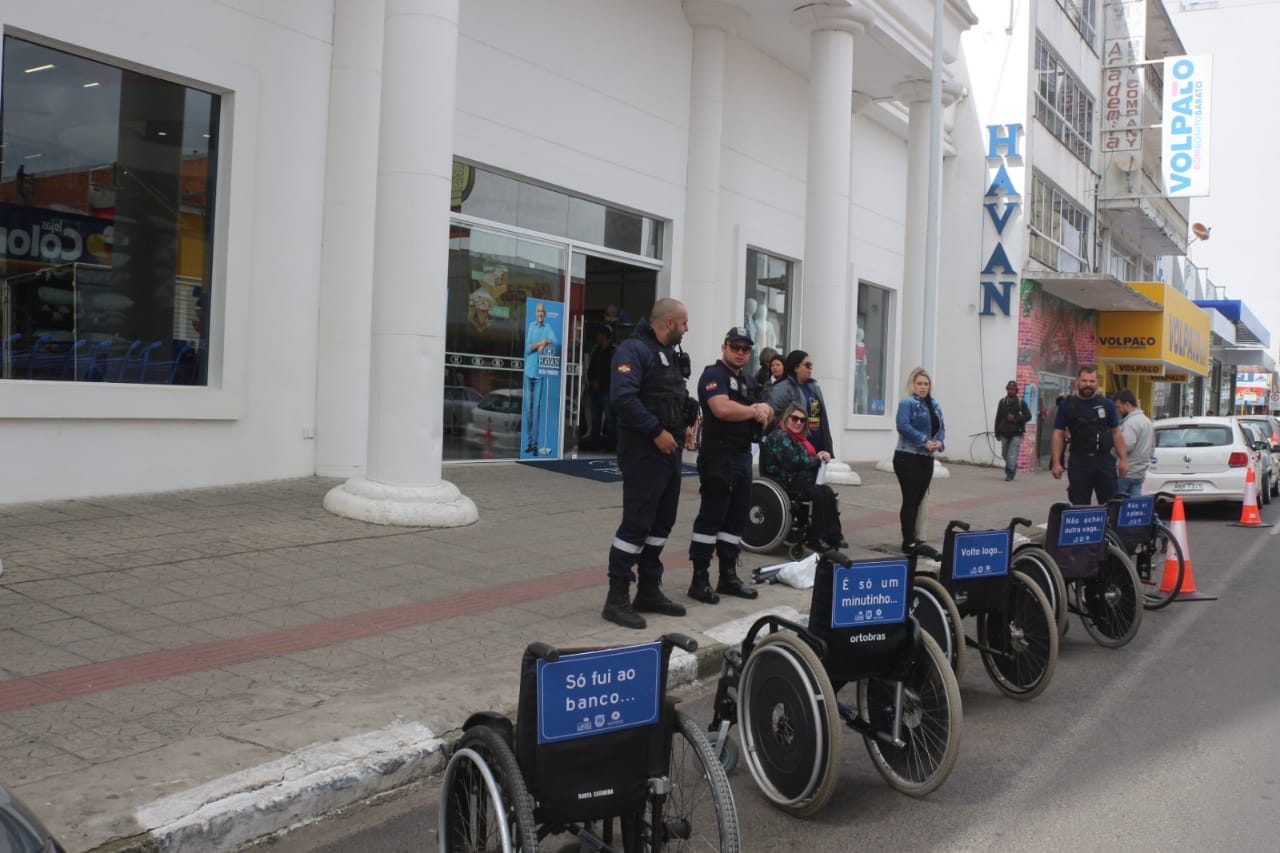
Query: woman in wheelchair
column 787, row 456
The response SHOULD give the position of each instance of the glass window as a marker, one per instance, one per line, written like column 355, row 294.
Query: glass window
column 106, row 221
column 1083, row 15
column 765, row 309
column 871, row 350
column 488, row 195
column 1059, row 228
column 492, row 277
column 1063, row 104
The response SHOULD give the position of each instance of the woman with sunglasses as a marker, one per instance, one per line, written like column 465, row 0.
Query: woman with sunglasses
column 788, row 457
column 921, row 433
column 798, row 387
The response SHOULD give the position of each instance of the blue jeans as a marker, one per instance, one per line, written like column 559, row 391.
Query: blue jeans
column 1129, row 486
column 1011, row 444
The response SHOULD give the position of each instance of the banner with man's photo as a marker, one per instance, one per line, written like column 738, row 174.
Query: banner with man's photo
column 543, row 366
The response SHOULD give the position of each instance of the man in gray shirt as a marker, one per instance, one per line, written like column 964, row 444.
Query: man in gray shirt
column 1139, row 439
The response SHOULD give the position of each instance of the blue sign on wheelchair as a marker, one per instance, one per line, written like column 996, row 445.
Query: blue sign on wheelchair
column 982, row 554
column 1136, row 512
column 596, row 692
column 1082, row 526
column 873, row 593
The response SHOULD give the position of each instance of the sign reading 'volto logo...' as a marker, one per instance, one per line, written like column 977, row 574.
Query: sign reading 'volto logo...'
column 982, row 554
column 596, row 692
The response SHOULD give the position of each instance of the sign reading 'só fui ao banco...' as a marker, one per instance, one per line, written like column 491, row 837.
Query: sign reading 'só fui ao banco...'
column 1185, row 137
column 1000, row 202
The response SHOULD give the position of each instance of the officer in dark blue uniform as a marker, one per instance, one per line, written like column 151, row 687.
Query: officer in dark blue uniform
column 1088, row 423
column 654, row 413
column 731, row 418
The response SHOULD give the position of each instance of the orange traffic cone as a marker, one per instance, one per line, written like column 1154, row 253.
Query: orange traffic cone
column 1249, row 507
column 1187, row 590
column 487, row 451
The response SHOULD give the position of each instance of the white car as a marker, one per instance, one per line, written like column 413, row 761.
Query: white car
column 495, row 421
column 1206, row 459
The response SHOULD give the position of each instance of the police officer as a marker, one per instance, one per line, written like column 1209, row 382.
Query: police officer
column 1088, row 423
column 654, row 413
column 730, row 419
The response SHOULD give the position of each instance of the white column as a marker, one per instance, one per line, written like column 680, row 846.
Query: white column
column 915, row 94
column 709, row 302
column 346, row 254
column 415, row 157
column 825, row 302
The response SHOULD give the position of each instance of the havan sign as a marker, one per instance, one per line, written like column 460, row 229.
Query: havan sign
column 1001, row 201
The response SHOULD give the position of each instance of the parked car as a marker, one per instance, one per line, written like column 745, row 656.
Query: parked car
column 20, row 830
column 1270, row 427
column 495, row 421
column 1206, row 459
column 459, row 400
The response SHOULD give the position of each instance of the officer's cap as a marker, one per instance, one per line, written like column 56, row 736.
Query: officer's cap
column 738, row 333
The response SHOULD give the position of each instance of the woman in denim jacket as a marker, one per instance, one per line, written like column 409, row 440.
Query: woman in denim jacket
column 921, row 433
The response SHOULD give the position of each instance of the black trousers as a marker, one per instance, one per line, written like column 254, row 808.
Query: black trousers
column 915, row 473
column 1088, row 475
column 825, row 523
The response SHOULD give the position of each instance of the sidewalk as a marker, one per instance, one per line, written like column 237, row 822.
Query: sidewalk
column 205, row 667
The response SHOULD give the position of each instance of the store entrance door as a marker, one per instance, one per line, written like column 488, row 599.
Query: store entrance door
column 1052, row 386
column 605, row 294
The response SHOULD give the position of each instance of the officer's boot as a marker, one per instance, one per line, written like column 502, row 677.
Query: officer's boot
column 700, row 587
column 649, row 599
column 617, row 607
column 730, row 583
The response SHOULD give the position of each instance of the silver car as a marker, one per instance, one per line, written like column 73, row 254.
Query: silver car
column 1270, row 429
column 1206, row 459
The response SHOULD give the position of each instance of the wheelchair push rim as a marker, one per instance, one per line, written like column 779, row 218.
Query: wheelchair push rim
column 768, row 517
column 789, row 724
column 1020, row 643
column 1110, row 603
column 484, row 804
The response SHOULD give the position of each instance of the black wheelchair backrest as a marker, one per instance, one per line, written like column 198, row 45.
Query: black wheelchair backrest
column 592, row 728
column 1076, row 539
column 859, row 609
column 1133, row 520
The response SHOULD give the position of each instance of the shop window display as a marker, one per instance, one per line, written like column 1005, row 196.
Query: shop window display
column 870, row 352
column 106, row 206
column 767, row 302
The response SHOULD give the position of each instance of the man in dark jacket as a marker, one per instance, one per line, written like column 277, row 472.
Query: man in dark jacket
column 1012, row 415
column 654, row 412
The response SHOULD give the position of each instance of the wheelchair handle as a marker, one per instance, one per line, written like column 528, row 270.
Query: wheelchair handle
column 923, row 549
column 957, row 525
column 1018, row 521
column 680, row 641
column 544, row 651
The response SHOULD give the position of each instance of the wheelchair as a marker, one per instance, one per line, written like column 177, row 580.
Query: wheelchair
column 1085, row 572
column 1017, row 633
column 776, row 518
column 598, row 752
column 781, row 689
column 1133, row 525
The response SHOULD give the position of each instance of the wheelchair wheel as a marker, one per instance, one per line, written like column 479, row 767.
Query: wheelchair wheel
column 1152, row 567
column 698, row 812
column 1035, row 562
column 936, row 613
column 768, row 519
column 1023, row 639
column 930, row 722
column 484, row 804
column 1110, row 604
column 789, row 724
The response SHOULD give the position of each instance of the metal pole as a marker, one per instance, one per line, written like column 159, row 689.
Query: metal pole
column 934, row 213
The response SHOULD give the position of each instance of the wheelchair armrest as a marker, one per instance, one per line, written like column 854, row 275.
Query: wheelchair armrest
column 680, row 641
column 544, row 651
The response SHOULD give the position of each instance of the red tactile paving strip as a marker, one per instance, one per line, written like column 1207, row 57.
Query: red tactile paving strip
column 109, row 675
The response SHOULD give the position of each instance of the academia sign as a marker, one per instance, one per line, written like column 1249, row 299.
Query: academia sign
column 1185, row 140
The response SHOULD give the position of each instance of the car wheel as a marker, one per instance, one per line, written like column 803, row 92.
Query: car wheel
column 1265, row 491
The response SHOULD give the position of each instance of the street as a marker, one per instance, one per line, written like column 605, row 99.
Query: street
column 1167, row 743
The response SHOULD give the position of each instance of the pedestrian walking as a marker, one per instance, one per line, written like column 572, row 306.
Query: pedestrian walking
column 1012, row 415
column 1139, row 442
column 731, row 419
column 921, row 433
column 654, row 413
column 800, row 388
column 1088, row 425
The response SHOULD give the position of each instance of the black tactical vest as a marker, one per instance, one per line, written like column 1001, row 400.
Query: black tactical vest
column 1089, row 433
column 730, row 435
column 662, row 391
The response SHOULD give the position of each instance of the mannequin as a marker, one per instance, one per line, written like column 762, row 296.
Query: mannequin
column 861, row 379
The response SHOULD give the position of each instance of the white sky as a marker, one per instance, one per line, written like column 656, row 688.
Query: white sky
column 1245, row 127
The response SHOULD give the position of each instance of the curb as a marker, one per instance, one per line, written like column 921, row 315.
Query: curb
column 306, row 785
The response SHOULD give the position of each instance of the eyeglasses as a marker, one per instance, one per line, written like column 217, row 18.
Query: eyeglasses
column 808, row 364
column 796, row 419
column 740, row 347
